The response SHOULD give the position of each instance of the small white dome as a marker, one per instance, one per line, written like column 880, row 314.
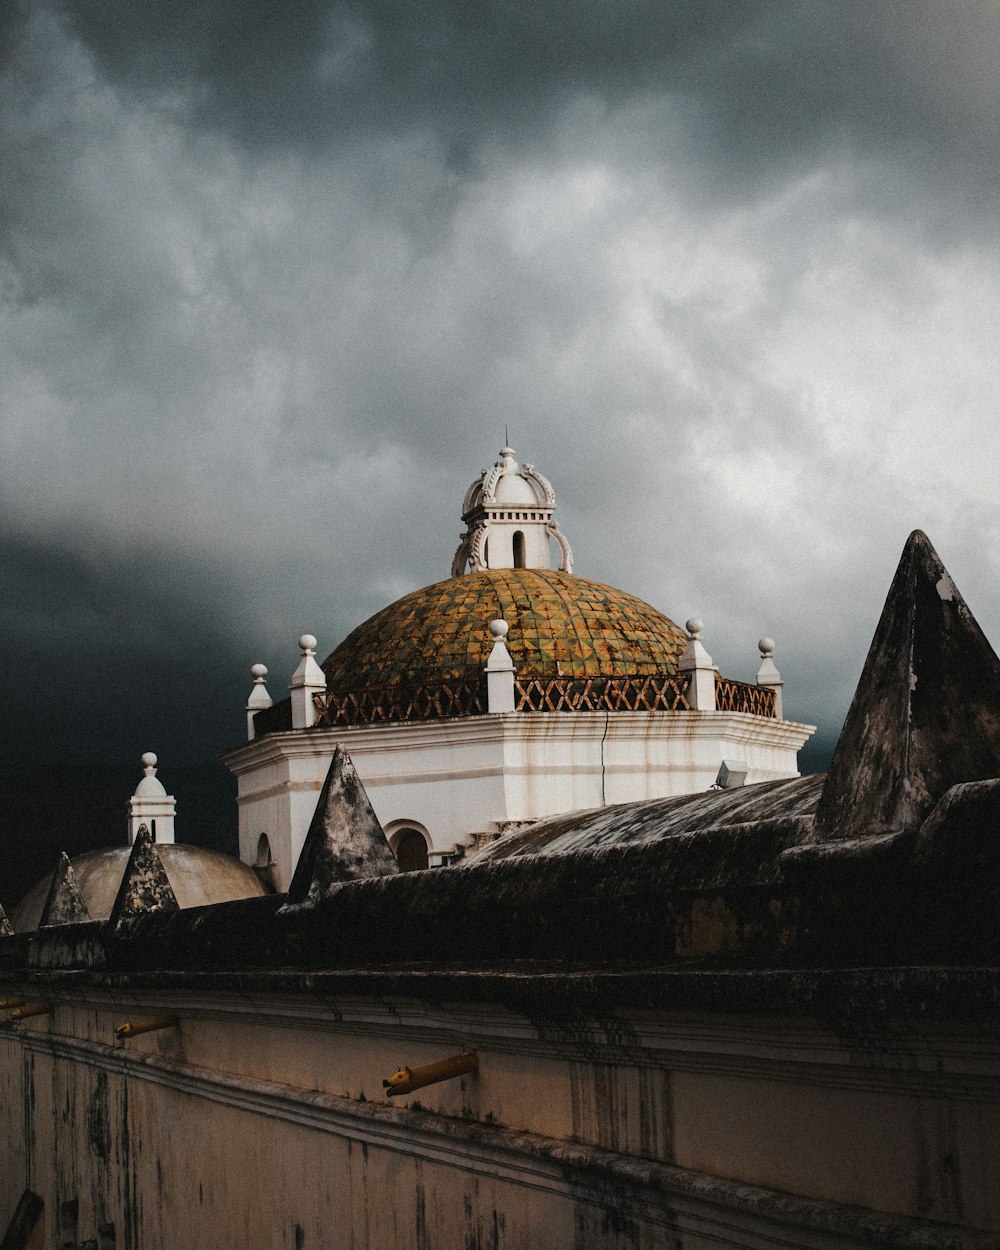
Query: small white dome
column 150, row 788
column 515, row 489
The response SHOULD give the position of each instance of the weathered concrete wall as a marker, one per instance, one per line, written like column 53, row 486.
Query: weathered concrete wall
column 261, row 1122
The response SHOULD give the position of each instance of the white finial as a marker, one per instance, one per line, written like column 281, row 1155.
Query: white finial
column 697, row 664
column 150, row 805
column 499, row 671
column 307, row 680
column 768, row 675
column 259, row 698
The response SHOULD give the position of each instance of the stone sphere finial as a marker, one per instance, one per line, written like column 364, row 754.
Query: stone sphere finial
column 499, row 629
column 307, row 644
column 694, row 627
column 259, row 671
column 766, row 648
column 148, row 760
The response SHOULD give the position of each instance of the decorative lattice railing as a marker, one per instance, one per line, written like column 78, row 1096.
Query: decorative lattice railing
column 600, row 694
column 743, row 696
column 391, row 703
column 378, row 705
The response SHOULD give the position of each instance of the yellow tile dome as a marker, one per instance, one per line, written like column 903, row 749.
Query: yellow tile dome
column 560, row 625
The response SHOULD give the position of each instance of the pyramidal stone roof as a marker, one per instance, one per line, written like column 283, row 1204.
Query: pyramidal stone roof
column 64, row 903
column 145, row 885
column 926, row 712
column 345, row 841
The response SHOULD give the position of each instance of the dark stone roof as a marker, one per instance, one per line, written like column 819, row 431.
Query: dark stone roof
column 560, row 624
column 628, row 824
column 345, row 842
column 926, row 713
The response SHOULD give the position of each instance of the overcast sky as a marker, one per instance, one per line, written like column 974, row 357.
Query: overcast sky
column 274, row 278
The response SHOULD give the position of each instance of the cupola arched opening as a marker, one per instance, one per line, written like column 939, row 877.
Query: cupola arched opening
column 264, row 866
column 410, row 848
column 519, row 549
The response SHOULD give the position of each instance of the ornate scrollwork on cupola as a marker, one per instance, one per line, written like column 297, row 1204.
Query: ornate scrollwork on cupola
column 508, row 511
column 531, row 473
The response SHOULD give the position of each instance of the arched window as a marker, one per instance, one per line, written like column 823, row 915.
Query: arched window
column 410, row 849
column 518, row 549
column 152, row 829
column 265, row 867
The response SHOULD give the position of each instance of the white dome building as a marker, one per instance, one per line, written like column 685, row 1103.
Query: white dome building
column 87, row 886
column 512, row 691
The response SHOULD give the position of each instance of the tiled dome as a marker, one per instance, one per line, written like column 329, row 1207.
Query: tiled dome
column 560, row 624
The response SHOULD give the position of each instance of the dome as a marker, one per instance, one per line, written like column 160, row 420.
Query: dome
column 514, row 489
column 150, row 788
column 560, row 625
column 197, row 876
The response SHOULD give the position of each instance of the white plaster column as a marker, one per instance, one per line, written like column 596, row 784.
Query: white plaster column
column 259, row 698
column 499, row 671
column 768, row 675
column 151, row 806
column 696, row 664
column 307, row 680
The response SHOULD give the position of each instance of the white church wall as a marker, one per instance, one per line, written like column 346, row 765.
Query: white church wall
column 468, row 775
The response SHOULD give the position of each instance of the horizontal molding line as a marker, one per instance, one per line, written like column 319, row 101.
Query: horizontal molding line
column 510, row 727
column 740, row 1215
column 683, row 1052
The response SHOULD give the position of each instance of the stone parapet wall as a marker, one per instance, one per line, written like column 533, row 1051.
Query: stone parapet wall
column 592, row 1121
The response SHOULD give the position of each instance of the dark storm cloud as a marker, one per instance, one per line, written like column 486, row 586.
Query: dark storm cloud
column 86, row 628
column 274, row 279
column 761, row 87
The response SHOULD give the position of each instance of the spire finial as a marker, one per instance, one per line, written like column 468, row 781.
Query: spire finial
column 696, row 664
column 259, row 698
column 307, row 680
column 768, row 675
column 150, row 805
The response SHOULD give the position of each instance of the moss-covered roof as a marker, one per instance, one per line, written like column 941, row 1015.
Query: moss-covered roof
column 559, row 624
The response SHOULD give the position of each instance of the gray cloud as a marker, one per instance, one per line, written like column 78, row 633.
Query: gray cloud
column 274, row 281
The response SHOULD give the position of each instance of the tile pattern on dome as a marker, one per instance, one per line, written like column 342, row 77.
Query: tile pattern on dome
column 560, row 625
